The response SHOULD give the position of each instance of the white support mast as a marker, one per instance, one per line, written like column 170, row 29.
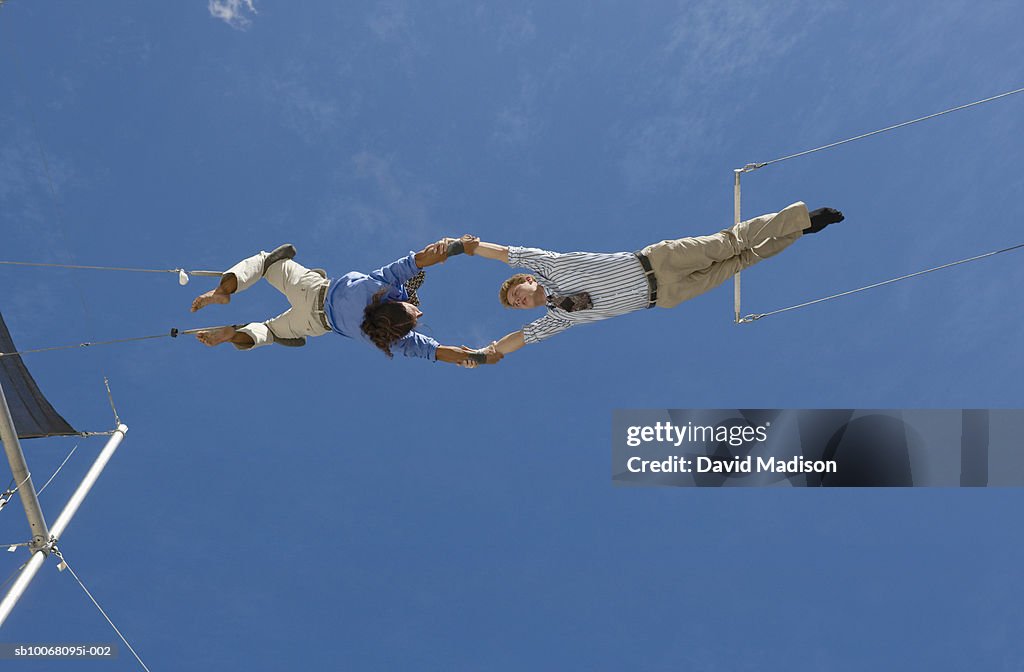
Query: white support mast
column 43, row 540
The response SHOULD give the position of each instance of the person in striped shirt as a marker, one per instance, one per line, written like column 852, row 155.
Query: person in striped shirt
column 583, row 287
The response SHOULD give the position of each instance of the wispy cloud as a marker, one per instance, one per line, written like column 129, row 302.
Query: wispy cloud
column 309, row 110
column 521, row 119
column 232, row 12
column 393, row 25
column 391, row 22
column 517, row 30
column 381, row 199
column 517, row 123
column 654, row 150
column 710, row 41
column 707, row 44
column 31, row 193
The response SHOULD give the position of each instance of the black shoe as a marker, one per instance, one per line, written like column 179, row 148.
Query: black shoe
column 822, row 217
column 286, row 251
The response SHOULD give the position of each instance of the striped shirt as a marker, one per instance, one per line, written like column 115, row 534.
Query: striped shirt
column 616, row 284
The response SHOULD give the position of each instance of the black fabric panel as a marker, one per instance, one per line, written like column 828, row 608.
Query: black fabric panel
column 32, row 413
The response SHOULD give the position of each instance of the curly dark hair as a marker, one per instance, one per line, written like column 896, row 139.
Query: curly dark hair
column 384, row 322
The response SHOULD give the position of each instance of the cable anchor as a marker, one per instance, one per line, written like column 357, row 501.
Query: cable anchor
column 62, row 565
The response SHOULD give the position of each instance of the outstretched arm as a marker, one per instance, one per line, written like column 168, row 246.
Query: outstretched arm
column 492, row 354
column 490, row 251
column 464, row 356
column 510, row 343
column 439, row 252
column 435, row 253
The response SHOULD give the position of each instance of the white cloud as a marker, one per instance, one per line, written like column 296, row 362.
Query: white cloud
column 377, row 198
column 517, row 31
column 232, row 12
column 517, row 123
column 709, row 45
column 31, row 191
column 391, row 22
column 308, row 108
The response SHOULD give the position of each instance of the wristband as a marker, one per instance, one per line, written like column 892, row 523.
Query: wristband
column 456, row 248
column 478, row 357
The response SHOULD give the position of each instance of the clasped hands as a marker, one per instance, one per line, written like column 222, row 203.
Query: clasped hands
column 489, row 355
column 438, row 253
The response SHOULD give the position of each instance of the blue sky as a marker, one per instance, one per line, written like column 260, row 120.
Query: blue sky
column 326, row 507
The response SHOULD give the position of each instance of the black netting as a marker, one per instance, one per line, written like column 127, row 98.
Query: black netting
column 33, row 415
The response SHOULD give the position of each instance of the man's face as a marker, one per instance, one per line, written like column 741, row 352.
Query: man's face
column 526, row 294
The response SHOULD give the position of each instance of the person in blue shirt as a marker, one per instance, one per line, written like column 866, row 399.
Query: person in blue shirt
column 377, row 308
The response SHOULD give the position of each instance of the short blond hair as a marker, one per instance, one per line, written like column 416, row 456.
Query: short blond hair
column 517, row 279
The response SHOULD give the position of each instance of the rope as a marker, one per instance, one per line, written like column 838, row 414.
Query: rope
column 57, row 552
column 6, row 496
column 15, row 572
column 84, row 435
column 18, row 545
column 754, row 166
column 110, row 395
column 758, row 316
column 58, row 470
column 174, row 333
column 15, row 490
column 112, row 268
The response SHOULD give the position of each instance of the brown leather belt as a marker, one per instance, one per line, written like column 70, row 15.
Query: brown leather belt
column 652, row 281
column 320, row 298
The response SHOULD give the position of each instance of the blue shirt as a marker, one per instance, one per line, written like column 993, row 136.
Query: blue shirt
column 348, row 296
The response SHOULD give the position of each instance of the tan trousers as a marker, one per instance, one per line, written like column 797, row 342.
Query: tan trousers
column 299, row 285
column 687, row 267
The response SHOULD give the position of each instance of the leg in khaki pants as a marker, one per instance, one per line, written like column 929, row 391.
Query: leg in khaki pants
column 688, row 267
column 300, row 286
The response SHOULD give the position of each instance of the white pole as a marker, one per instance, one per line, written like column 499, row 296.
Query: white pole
column 90, row 478
column 22, row 477
column 16, row 591
column 736, row 220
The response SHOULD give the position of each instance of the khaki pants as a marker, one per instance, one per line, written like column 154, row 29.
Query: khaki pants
column 687, row 267
column 299, row 285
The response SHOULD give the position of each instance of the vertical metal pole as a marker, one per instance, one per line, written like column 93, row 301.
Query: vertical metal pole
column 22, row 477
column 16, row 591
column 736, row 220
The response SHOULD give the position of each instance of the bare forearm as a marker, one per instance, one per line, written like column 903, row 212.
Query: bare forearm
column 466, row 356
column 510, row 343
column 492, row 251
column 425, row 258
column 449, row 354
